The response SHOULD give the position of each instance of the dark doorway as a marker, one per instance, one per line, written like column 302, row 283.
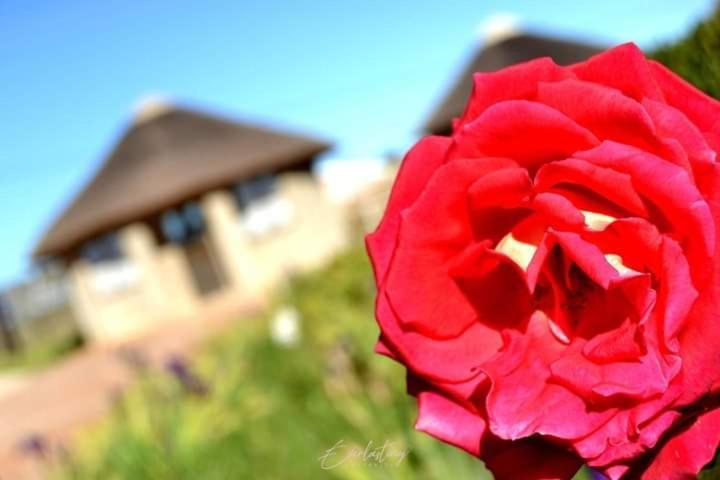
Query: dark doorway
column 186, row 226
column 206, row 271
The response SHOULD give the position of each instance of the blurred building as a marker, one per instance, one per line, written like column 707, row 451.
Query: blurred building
column 188, row 211
column 362, row 186
column 501, row 47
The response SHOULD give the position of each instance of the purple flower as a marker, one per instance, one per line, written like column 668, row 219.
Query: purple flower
column 191, row 383
column 35, row 445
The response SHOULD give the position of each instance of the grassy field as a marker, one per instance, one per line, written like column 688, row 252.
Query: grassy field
column 251, row 408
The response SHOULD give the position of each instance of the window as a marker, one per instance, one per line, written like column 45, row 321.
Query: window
column 118, row 276
column 183, row 225
column 262, row 209
column 249, row 192
column 102, row 249
column 111, row 271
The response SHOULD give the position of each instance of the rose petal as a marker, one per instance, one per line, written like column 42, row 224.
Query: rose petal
column 449, row 421
column 498, row 202
column 504, row 188
column 670, row 189
column 624, row 68
column 517, row 82
column 528, row 132
column 494, row 285
column 700, row 356
column 701, row 109
column 613, row 186
column 615, row 472
column 430, row 251
column 382, row 347
column 606, row 112
column 454, row 360
column 677, row 293
column 687, row 453
column 672, row 123
column 558, row 211
column 618, row 345
column 461, row 392
column 415, row 171
column 639, row 379
column 587, row 256
column 522, row 402
column 636, row 240
column 629, row 432
column 625, row 445
column 494, row 223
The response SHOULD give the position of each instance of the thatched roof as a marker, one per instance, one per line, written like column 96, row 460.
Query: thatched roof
column 496, row 55
column 169, row 155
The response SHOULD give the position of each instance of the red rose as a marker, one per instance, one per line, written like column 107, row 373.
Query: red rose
column 549, row 275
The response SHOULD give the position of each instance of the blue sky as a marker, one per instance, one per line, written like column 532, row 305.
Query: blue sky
column 361, row 73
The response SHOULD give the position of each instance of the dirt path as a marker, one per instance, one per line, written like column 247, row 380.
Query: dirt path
column 12, row 382
column 56, row 403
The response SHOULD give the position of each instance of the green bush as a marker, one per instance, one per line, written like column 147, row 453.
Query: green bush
column 697, row 56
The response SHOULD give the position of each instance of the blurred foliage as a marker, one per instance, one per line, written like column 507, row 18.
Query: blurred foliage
column 270, row 411
column 697, row 56
column 43, row 353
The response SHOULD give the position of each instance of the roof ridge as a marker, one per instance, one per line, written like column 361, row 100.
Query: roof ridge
column 151, row 106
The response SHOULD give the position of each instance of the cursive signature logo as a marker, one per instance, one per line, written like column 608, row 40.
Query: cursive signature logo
column 389, row 453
